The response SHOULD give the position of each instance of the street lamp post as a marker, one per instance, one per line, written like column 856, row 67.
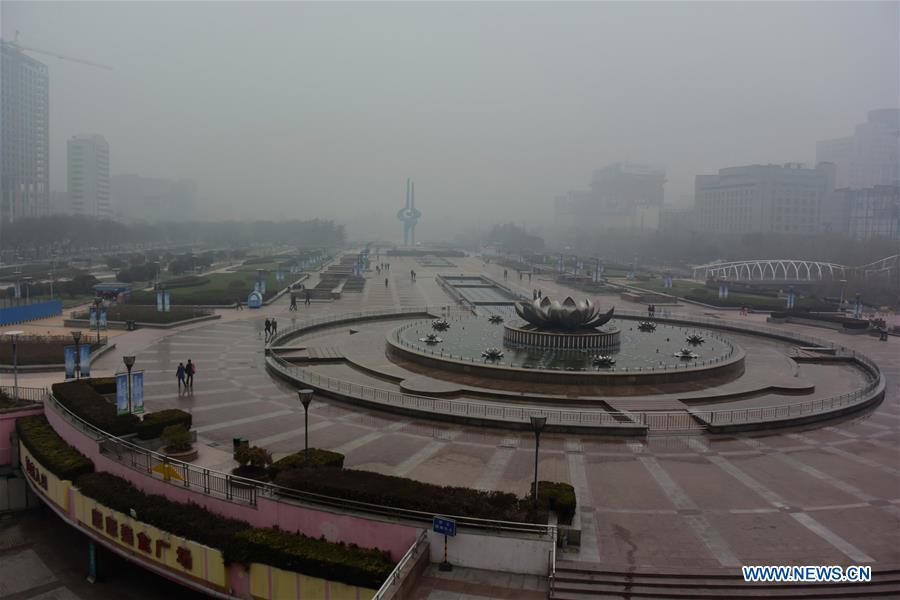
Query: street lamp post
column 305, row 398
column 76, row 335
column 14, row 335
column 98, row 302
column 129, row 362
column 537, row 425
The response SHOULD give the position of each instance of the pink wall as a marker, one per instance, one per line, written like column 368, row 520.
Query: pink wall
column 396, row 538
column 8, row 425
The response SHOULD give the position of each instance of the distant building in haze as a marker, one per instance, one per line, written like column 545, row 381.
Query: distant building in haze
column 621, row 196
column 153, row 199
column 767, row 199
column 88, row 171
column 24, row 136
column 871, row 156
column 873, row 212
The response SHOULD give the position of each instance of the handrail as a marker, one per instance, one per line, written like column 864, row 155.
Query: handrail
column 28, row 394
column 216, row 483
column 394, row 577
column 690, row 420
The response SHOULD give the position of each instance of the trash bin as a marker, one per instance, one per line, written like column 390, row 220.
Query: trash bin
column 238, row 442
column 129, row 325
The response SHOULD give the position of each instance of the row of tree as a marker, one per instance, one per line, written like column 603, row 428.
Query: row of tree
column 68, row 233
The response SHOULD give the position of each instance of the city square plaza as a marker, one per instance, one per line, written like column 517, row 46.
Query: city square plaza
column 660, row 488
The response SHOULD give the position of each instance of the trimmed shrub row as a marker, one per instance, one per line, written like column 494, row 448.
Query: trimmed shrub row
column 386, row 490
column 238, row 541
column 558, row 497
column 310, row 556
column 314, row 457
column 155, row 422
column 846, row 322
column 186, row 281
column 81, row 398
column 50, row 450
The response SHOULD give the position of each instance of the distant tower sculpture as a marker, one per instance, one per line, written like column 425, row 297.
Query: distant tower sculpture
column 409, row 215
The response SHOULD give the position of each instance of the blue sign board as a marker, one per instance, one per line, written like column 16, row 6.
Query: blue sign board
column 137, row 392
column 70, row 362
column 93, row 317
column 167, row 301
column 85, row 362
column 159, row 301
column 121, row 393
column 444, row 525
column 104, row 324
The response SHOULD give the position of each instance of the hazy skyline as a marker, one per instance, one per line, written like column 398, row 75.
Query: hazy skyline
column 301, row 110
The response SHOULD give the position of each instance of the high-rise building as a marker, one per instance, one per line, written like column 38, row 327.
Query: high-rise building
column 871, row 156
column 873, row 212
column 766, row 198
column 88, row 160
column 621, row 195
column 153, row 199
column 25, row 136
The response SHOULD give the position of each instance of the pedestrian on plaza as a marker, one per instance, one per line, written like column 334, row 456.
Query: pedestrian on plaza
column 540, row 293
column 180, row 374
column 385, row 282
column 274, row 327
column 529, row 277
column 307, row 298
column 505, row 273
column 268, row 329
column 534, row 294
column 189, row 370
column 649, row 311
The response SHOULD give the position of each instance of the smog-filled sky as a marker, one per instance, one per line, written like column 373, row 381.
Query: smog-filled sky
column 322, row 110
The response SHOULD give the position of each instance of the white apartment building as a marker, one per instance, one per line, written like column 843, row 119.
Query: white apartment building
column 88, row 166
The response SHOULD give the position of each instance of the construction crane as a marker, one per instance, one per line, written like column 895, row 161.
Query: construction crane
column 15, row 44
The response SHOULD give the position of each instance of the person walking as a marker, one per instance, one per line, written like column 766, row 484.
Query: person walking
column 189, row 370
column 293, row 306
column 307, row 298
column 180, row 374
column 385, row 282
column 274, row 327
column 268, row 329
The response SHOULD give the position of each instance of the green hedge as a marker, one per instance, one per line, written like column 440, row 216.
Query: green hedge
column 50, row 450
column 81, row 398
column 238, row 541
column 314, row 457
column 386, row 490
column 103, row 385
column 316, row 558
column 558, row 497
column 155, row 422
column 187, row 281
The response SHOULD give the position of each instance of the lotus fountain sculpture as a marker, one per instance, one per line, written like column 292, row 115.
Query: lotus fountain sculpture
column 492, row 354
column 568, row 315
column 647, row 326
column 431, row 339
column 440, row 325
column 686, row 354
column 603, row 360
column 695, row 339
column 495, row 319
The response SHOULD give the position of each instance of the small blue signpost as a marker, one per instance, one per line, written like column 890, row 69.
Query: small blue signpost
column 448, row 528
column 92, row 562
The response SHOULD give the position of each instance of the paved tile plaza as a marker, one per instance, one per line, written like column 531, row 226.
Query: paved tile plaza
column 827, row 494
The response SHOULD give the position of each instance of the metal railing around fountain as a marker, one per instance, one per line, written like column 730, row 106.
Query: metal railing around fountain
column 691, row 420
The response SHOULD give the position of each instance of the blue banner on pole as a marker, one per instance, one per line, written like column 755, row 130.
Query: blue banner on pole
column 137, row 392
column 121, row 393
column 159, row 301
column 167, row 301
column 85, row 360
column 93, row 317
column 104, row 324
column 70, row 361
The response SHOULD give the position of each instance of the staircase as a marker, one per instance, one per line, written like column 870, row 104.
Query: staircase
column 583, row 581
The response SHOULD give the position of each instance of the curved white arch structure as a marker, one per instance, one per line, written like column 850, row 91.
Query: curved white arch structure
column 788, row 269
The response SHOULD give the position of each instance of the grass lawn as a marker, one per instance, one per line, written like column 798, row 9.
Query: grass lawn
column 42, row 349
column 217, row 288
column 698, row 292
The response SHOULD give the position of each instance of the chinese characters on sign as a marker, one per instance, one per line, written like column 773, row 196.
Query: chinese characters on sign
column 35, row 474
column 125, row 535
